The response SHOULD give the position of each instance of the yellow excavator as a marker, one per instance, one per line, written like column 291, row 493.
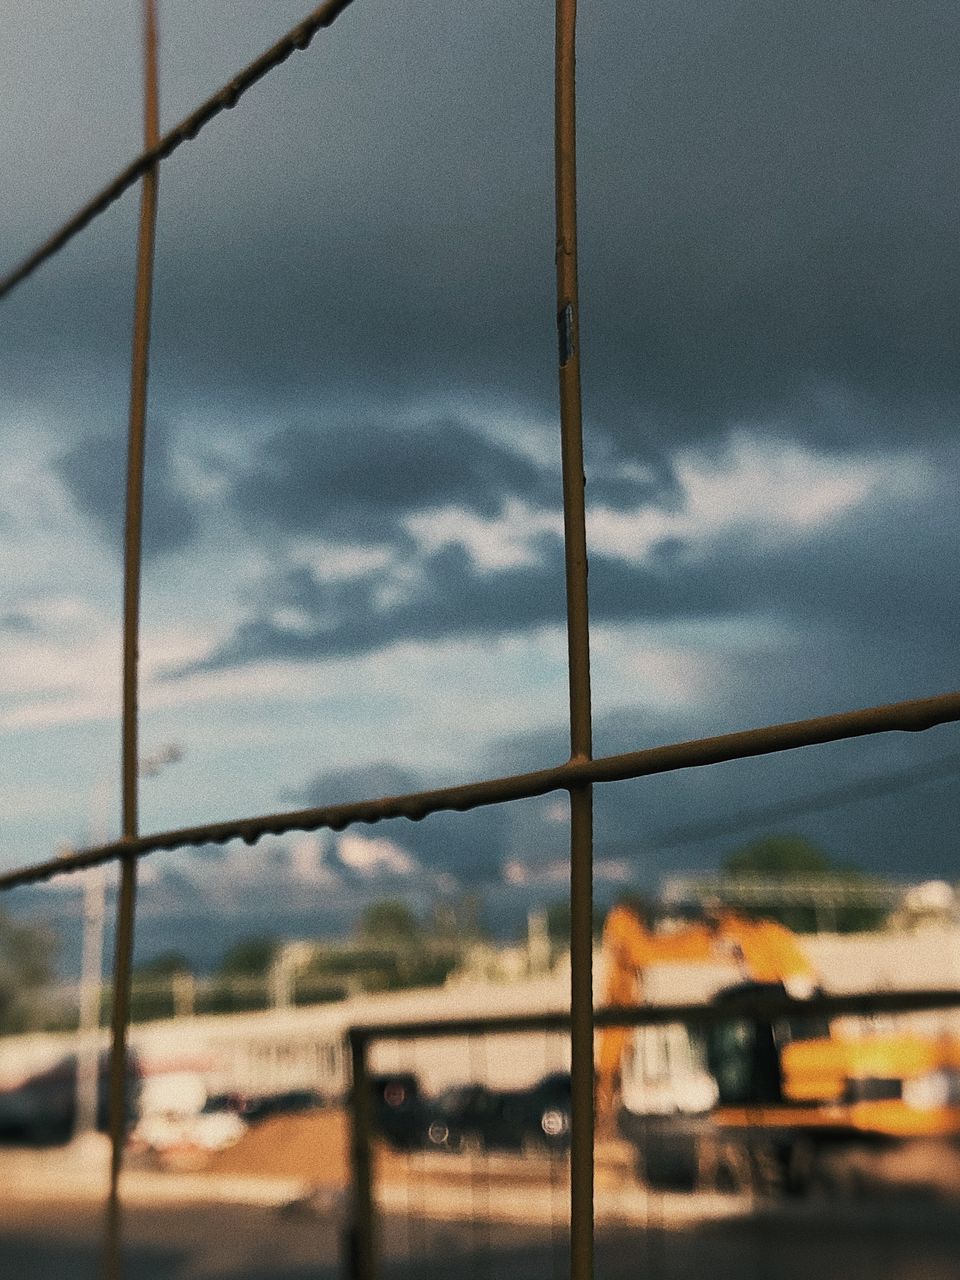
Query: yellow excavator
column 774, row 1104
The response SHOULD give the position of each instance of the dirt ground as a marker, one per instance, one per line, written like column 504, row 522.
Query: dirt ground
column 314, row 1147
column 49, row 1241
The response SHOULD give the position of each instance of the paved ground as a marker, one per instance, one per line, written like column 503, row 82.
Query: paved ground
column 230, row 1242
column 450, row 1218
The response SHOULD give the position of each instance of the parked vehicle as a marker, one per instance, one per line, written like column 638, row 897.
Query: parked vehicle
column 292, row 1102
column 546, row 1115
column 43, row 1108
column 472, row 1118
column 399, row 1113
column 211, row 1129
column 467, row 1118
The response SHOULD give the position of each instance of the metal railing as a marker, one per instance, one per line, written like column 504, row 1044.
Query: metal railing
column 765, row 1005
column 575, row 776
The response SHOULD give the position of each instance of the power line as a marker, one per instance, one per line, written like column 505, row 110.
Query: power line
column 817, row 802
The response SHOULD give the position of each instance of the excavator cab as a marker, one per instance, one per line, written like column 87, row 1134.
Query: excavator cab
column 748, row 1062
column 745, row 1055
column 744, row 1063
column 664, row 1071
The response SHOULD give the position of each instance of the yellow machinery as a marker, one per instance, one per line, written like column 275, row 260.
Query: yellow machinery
column 773, row 1101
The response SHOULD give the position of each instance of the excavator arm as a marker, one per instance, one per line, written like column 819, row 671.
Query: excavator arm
column 757, row 950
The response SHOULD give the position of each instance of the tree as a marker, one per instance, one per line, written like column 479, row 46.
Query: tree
column 27, row 953
column 243, row 979
column 829, row 894
column 167, row 964
column 154, row 990
column 780, row 856
column 558, row 922
column 249, row 958
column 389, row 921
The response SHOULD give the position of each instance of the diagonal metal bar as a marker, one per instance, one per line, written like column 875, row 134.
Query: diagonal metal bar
column 298, row 37
column 909, row 717
column 133, row 539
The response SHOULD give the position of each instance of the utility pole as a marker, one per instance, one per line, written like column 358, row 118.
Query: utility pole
column 91, row 970
column 91, row 964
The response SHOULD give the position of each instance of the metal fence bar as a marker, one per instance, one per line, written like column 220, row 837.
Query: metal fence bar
column 133, row 540
column 361, row 1249
column 752, row 1003
column 577, row 776
column 298, row 37
column 360, row 1246
column 578, row 645
column 763, row 1004
column 909, row 717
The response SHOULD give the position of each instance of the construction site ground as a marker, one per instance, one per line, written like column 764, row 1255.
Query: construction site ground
column 50, row 1239
column 274, row 1206
column 304, row 1160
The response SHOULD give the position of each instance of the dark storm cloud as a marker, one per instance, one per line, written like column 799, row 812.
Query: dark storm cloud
column 767, row 218
column 358, row 480
column 786, row 223
column 94, row 473
column 18, row 622
column 861, row 613
column 450, row 598
column 646, row 824
column 469, row 846
column 649, row 824
column 906, row 833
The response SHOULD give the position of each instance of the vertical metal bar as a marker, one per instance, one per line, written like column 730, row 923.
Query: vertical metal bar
column 361, row 1245
column 126, row 902
column 581, row 1035
column 578, row 648
column 91, row 982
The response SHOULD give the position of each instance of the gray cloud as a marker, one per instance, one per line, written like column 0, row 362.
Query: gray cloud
column 15, row 620
column 357, row 480
column 768, row 236
column 904, row 834
column 767, row 220
column 448, row 598
column 94, row 472
column 469, row 846
column 876, row 583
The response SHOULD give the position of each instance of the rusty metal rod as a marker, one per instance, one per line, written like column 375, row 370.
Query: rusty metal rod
column 581, row 1033
column 362, row 1230
column 578, row 644
column 571, row 423
column 909, row 717
column 751, row 1004
column 133, row 540
column 298, row 37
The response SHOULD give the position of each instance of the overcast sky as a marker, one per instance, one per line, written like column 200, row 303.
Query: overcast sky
column 353, row 550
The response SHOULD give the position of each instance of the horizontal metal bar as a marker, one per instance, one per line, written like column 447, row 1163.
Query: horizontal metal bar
column 912, row 717
column 764, row 1004
column 835, row 889
column 298, row 37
